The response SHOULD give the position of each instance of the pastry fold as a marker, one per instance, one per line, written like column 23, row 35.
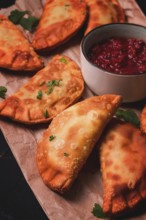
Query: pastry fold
column 123, row 168
column 70, row 138
column 48, row 92
column 60, row 20
column 16, row 52
column 103, row 12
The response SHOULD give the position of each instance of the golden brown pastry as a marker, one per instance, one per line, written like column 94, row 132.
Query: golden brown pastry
column 60, row 20
column 70, row 138
column 47, row 93
column 16, row 53
column 123, row 167
column 103, row 12
column 143, row 120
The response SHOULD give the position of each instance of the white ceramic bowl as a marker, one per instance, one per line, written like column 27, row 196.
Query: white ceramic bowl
column 131, row 87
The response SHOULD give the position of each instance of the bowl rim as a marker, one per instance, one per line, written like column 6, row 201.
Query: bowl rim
column 102, row 27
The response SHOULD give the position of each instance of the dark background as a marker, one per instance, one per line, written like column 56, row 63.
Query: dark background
column 17, row 201
column 142, row 4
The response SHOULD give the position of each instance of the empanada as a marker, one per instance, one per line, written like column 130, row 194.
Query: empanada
column 60, row 20
column 143, row 120
column 16, row 53
column 123, row 167
column 70, row 138
column 103, row 12
column 47, row 93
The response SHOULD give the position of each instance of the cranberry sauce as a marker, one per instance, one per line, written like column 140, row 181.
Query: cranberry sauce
column 120, row 55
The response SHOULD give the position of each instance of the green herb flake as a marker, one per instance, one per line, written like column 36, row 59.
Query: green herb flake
column 42, row 83
column 98, row 212
column 46, row 114
column 3, row 91
column 128, row 116
column 63, row 60
column 51, row 85
column 17, row 15
column 28, row 23
column 49, row 90
column 66, row 154
column 53, row 82
column 40, row 94
column 51, row 138
column 56, row 83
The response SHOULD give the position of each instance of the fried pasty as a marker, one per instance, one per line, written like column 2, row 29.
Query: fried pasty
column 16, row 53
column 103, row 12
column 143, row 120
column 47, row 93
column 70, row 138
column 123, row 167
column 60, row 20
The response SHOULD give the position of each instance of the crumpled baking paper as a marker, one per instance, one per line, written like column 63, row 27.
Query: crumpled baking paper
column 87, row 190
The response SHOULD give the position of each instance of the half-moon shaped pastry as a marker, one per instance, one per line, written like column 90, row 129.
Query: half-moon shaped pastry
column 60, row 20
column 47, row 93
column 123, row 167
column 70, row 138
column 16, row 53
column 103, row 12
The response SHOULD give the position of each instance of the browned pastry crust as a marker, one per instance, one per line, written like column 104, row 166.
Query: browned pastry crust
column 60, row 20
column 39, row 100
column 123, row 167
column 143, row 120
column 104, row 12
column 16, row 53
column 75, row 132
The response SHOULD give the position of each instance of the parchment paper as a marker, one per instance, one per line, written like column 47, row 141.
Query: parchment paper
column 77, row 204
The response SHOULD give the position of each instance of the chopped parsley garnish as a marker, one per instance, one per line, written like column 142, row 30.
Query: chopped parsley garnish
column 28, row 23
column 128, row 116
column 40, row 94
column 51, row 138
column 98, row 212
column 3, row 91
column 49, row 90
column 66, row 154
column 17, row 15
column 46, row 114
column 51, row 85
column 42, row 83
column 54, row 82
column 63, row 60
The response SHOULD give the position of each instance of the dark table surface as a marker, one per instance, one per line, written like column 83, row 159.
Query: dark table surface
column 17, row 202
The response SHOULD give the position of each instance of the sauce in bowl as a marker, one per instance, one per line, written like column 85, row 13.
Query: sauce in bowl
column 120, row 55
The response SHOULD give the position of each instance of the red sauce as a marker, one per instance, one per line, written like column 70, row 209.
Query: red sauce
column 120, row 55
